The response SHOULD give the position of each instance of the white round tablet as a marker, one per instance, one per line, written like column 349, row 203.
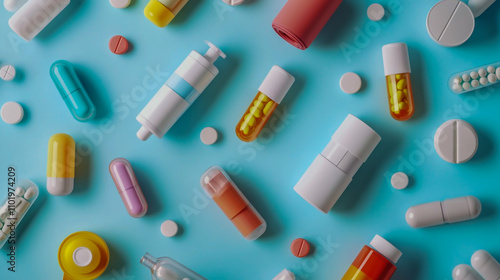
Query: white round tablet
column 233, row 2
column 498, row 73
column 474, row 75
column 119, row 4
column 457, row 88
column 482, row 72
column 457, row 80
column 491, row 69
column 466, row 85
column 399, row 180
column 475, row 83
column 450, row 23
column 492, row 78
column 376, row 12
column 12, row 113
column 456, row 141
column 466, row 77
column 7, row 73
column 483, row 81
column 350, row 83
column 209, row 135
column 169, row 228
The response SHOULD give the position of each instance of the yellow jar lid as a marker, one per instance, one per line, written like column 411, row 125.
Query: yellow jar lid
column 83, row 256
column 158, row 14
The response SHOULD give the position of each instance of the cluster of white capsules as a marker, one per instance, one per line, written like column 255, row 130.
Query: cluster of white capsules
column 475, row 78
column 15, row 207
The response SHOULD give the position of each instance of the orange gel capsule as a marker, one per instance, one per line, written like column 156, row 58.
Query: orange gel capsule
column 397, row 72
column 271, row 92
column 233, row 203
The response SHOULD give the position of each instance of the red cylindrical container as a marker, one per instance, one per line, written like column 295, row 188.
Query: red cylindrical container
column 300, row 21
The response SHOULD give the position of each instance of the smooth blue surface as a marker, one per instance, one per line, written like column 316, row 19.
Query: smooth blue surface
column 168, row 169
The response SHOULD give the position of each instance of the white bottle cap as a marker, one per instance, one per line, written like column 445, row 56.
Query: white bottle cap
column 276, row 84
column 396, row 59
column 357, row 137
column 82, row 256
column 386, row 249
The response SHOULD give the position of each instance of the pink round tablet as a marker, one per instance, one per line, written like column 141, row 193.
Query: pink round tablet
column 300, row 248
column 118, row 45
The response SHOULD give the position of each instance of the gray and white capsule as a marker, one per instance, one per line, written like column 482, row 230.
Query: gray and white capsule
column 441, row 212
column 486, row 265
column 465, row 272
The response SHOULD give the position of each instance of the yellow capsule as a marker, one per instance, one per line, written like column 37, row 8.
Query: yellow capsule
column 400, row 95
column 263, row 97
column 256, row 112
column 245, row 128
column 401, row 84
column 258, row 104
column 61, row 164
column 398, row 76
column 405, row 91
column 390, row 100
column 268, row 107
column 402, row 105
column 250, row 120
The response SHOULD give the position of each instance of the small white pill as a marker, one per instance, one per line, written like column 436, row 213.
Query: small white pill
column 4, row 211
column 209, row 135
column 3, row 236
column 457, row 80
column 375, row 12
column 466, row 85
column 482, row 72
column 483, row 81
column 475, row 83
column 456, row 141
column 233, row 2
column 7, row 73
column 12, row 112
column 474, row 75
column 487, row 266
column 491, row 69
column 465, row 272
column 457, row 88
column 19, row 191
column 399, row 180
column 119, row 4
column 350, row 83
column 492, row 78
column 32, row 191
column 21, row 208
column 498, row 73
column 169, row 228
column 466, row 77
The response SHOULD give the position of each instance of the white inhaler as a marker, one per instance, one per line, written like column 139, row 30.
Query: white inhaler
column 178, row 93
column 165, row 268
column 331, row 172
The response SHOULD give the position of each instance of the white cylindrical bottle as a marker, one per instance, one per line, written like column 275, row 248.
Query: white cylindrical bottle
column 178, row 93
column 331, row 172
column 33, row 16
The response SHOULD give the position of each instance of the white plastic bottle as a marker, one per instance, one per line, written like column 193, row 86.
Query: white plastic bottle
column 178, row 93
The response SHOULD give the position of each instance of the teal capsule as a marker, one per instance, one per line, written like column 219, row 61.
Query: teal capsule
column 72, row 91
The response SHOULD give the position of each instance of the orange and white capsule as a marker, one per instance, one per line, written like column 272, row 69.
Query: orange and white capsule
column 397, row 74
column 272, row 90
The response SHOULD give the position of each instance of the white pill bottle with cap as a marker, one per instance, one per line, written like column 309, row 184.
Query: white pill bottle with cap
column 375, row 262
column 331, row 171
column 180, row 91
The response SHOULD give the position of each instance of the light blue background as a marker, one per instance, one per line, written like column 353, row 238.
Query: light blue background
column 168, row 169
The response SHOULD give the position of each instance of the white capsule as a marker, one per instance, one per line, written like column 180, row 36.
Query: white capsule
column 466, row 77
column 465, row 272
column 486, row 265
column 3, row 236
column 491, row 69
column 30, row 193
column 482, row 72
column 492, row 78
column 475, row 83
column 22, row 206
column 483, row 81
column 466, row 85
column 457, row 80
column 19, row 191
column 448, row 211
column 474, row 75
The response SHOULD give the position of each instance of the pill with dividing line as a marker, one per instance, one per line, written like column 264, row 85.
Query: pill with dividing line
column 456, row 141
